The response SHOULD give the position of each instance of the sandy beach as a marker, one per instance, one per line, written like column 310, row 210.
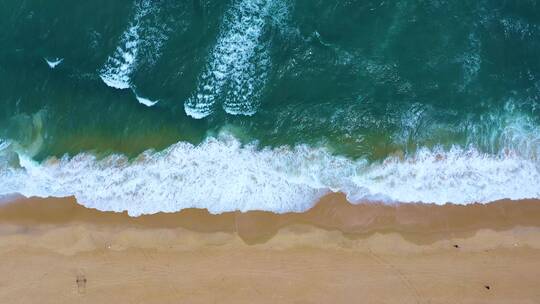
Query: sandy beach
column 56, row 251
column 269, row 151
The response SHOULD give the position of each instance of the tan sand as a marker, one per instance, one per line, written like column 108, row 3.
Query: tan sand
column 56, row 251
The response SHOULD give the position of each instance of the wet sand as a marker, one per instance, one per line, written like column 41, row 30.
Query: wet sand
column 56, row 251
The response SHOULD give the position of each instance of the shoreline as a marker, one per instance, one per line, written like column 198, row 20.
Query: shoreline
column 61, row 252
column 418, row 222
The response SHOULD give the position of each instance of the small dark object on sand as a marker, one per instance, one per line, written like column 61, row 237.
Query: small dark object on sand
column 81, row 283
column 456, row 246
column 487, row 287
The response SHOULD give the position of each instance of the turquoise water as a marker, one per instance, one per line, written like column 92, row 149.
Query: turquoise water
column 269, row 104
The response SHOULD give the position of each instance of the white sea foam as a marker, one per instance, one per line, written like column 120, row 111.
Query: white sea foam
column 118, row 68
column 3, row 144
column 518, row 27
column 53, row 63
column 7, row 157
column 223, row 175
column 145, row 101
column 238, row 65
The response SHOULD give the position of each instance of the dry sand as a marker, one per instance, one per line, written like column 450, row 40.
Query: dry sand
column 56, row 251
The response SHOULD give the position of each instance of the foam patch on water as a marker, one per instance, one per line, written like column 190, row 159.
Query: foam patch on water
column 147, row 102
column 519, row 28
column 3, row 144
column 239, row 63
column 53, row 63
column 116, row 72
column 7, row 157
column 222, row 175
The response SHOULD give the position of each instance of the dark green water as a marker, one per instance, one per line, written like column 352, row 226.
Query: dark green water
column 361, row 80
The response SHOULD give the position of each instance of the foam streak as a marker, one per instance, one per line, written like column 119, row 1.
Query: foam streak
column 116, row 72
column 238, row 66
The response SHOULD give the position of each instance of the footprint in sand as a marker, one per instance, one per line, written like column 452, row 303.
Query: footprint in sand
column 81, row 283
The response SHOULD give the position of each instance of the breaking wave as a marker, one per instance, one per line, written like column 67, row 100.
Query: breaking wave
column 239, row 63
column 116, row 72
column 222, row 175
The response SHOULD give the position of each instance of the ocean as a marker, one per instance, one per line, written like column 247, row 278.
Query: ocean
column 157, row 106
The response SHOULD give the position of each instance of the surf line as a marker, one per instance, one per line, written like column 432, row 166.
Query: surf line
column 238, row 64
